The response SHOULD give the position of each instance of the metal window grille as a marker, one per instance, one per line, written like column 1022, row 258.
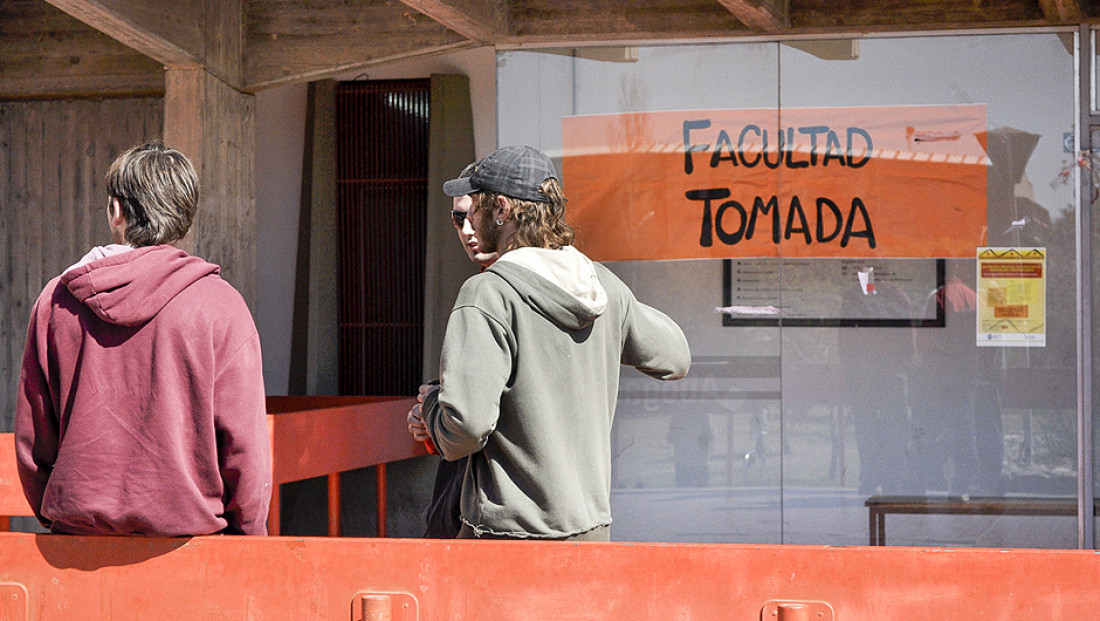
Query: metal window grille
column 381, row 183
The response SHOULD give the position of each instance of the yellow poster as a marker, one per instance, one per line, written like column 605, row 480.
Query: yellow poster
column 1012, row 297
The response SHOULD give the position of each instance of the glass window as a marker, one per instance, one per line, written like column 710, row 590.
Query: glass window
column 1094, row 200
column 1095, row 105
column 851, row 345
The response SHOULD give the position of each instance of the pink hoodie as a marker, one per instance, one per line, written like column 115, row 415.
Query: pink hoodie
column 141, row 401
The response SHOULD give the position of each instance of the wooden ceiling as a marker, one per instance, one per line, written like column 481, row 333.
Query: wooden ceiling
column 63, row 48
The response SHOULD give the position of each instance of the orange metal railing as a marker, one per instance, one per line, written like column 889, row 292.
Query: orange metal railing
column 12, row 501
column 324, row 436
column 310, row 437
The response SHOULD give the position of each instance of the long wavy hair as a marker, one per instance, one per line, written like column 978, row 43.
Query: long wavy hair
column 538, row 225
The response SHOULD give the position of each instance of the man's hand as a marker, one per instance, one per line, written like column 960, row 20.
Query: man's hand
column 417, row 427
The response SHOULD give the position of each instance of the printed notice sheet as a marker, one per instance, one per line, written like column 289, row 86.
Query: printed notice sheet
column 1011, row 297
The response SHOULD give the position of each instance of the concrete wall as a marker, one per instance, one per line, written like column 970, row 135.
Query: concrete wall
column 280, row 131
column 280, row 138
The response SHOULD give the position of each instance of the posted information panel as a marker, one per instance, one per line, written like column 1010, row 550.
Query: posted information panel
column 1011, row 297
column 832, row 292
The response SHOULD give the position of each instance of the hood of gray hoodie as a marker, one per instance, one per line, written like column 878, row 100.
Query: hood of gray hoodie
column 562, row 285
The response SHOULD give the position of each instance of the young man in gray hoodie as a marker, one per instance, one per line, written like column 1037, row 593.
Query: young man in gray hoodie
column 529, row 374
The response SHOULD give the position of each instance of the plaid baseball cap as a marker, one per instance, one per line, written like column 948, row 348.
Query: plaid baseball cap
column 515, row 171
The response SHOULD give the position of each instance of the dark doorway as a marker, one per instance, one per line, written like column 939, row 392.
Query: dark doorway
column 381, row 183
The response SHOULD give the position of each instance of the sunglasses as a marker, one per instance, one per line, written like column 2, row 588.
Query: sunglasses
column 458, row 217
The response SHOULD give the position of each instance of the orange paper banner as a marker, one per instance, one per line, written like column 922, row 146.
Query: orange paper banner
column 904, row 181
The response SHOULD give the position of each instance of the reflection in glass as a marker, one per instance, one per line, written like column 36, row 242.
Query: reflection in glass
column 782, row 431
column 956, row 415
column 875, row 364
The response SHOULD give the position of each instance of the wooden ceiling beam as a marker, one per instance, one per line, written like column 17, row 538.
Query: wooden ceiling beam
column 1062, row 11
column 180, row 33
column 482, row 21
column 908, row 15
column 770, row 16
column 255, row 44
column 169, row 32
column 48, row 54
column 293, row 42
column 306, row 66
column 25, row 86
column 562, row 22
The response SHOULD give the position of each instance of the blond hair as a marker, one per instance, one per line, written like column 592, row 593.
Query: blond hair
column 538, row 224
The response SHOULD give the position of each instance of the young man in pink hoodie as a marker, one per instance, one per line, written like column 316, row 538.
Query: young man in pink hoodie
column 141, row 400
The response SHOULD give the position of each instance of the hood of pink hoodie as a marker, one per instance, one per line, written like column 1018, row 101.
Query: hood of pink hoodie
column 129, row 289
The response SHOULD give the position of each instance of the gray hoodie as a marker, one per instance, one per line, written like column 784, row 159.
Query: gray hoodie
column 529, row 380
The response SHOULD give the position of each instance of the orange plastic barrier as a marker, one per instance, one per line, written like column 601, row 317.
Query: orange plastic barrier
column 48, row 577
